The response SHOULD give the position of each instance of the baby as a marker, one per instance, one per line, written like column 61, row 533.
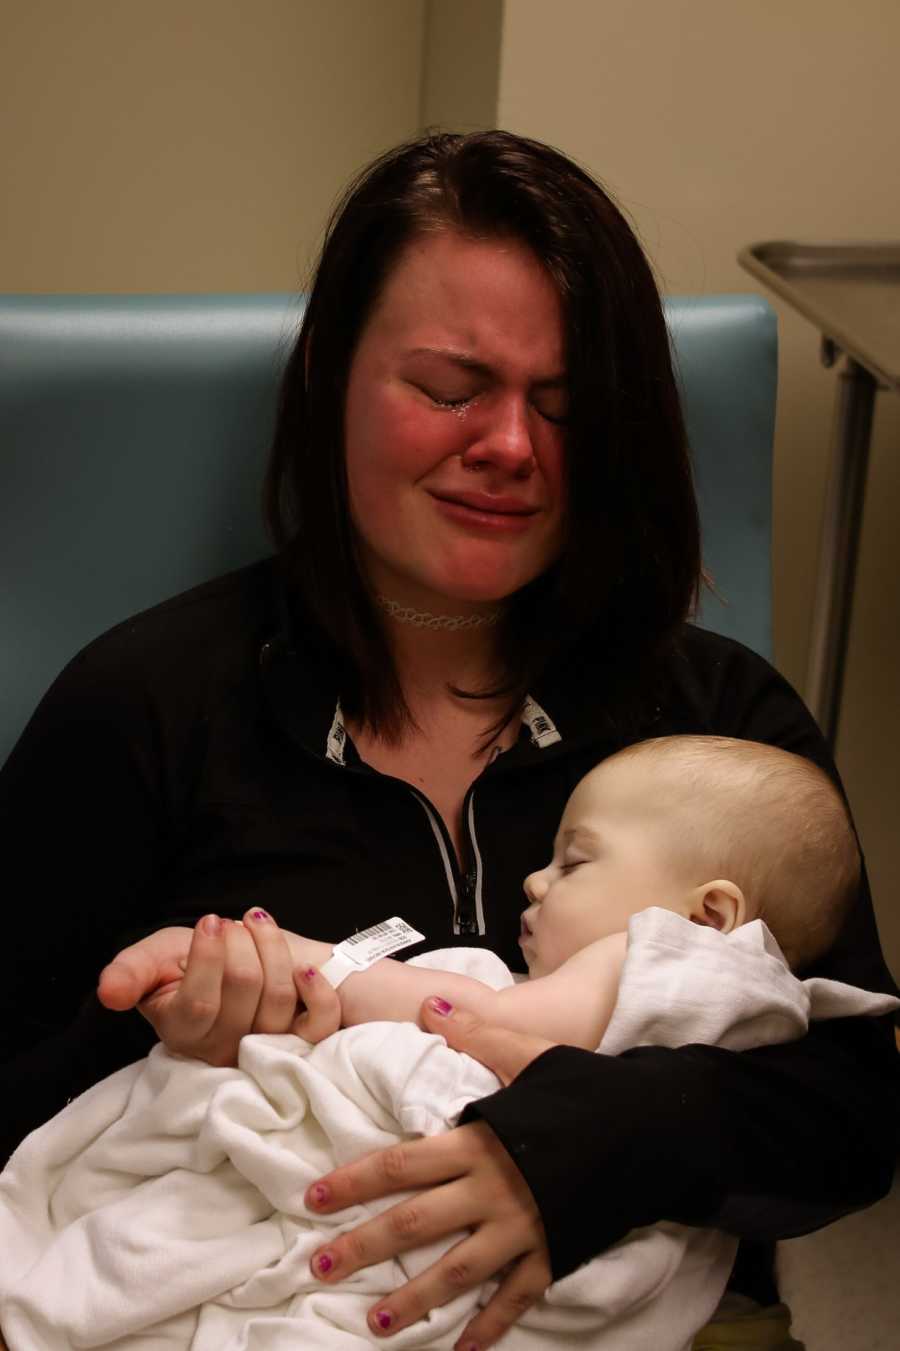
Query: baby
column 166, row 1203
column 715, row 830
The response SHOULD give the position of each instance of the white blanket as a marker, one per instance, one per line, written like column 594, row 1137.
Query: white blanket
column 163, row 1208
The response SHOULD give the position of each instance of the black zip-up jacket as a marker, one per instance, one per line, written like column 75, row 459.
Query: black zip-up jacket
column 189, row 760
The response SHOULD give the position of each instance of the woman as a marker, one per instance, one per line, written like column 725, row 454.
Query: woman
column 487, row 547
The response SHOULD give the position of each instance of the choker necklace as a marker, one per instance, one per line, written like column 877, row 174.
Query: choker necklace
column 421, row 619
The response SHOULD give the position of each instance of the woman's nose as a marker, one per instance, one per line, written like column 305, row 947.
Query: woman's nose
column 505, row 440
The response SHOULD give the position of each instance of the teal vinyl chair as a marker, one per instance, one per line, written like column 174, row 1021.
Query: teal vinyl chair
column 133, row 440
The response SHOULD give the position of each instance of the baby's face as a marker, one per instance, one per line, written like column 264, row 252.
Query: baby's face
column 609, row 861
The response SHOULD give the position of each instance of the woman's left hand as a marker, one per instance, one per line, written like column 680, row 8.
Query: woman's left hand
column 204, row 989
column 470, row 1182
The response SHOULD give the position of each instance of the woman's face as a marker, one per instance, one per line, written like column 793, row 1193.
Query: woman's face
column 454, row 425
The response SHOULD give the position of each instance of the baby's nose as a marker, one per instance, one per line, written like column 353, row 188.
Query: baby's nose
column 535, row 885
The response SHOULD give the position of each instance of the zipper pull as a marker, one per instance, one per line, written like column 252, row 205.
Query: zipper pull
column 466, row 920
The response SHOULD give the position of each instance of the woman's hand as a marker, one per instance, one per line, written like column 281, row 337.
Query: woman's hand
column 156, row 963
column 472, row 1183
column 204, row 989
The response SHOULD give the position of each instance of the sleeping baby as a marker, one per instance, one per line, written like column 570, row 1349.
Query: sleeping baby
column 164, row 1207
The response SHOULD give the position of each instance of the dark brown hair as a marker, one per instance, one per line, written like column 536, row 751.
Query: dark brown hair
column 630, row 565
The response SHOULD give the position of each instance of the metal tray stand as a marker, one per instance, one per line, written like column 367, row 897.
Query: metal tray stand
column 851, row 292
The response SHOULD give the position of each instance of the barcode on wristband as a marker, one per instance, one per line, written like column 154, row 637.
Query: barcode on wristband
column 380, row 940
column 374, row 932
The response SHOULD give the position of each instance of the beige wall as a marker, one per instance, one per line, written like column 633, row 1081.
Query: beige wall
column 716, row 125
column 190, row 145
column 461, row 63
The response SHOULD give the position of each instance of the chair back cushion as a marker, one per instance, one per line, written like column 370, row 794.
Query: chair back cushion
column 134, row 432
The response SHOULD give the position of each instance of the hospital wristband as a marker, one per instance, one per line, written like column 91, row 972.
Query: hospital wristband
column 364, row 949
column 338, row 968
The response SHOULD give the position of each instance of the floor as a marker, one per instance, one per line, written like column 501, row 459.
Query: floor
column 843, row 1283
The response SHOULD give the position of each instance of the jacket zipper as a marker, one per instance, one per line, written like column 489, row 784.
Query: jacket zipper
column 467, row 912
column 464, row 887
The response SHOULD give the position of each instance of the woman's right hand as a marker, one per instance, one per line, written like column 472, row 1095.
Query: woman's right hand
column 204, row 989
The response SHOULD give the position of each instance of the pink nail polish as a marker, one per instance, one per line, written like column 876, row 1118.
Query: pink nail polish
column 259, row 915
column 309, row 973
column 318, row 1195
column 324, row 1263
column 384, row 1319
column 441, row 1006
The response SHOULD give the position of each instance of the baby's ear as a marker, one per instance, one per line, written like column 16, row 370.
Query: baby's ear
column 719, row 905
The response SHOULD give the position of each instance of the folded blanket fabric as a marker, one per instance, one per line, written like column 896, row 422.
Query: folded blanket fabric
column 163, row 1208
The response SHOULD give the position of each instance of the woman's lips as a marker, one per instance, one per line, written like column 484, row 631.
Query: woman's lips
column 497, row 514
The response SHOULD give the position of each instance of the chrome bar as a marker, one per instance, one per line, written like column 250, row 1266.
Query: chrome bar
column 841, row 523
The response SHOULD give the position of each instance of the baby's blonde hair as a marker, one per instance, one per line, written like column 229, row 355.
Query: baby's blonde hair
column 771, row 822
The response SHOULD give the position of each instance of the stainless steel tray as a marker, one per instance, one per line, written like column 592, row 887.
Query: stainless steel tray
column 849, row 291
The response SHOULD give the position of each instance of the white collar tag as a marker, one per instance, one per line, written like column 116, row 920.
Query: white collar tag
column 337, row 737
column 539, row 723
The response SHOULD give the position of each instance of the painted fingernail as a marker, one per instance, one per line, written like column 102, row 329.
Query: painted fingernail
column 318, row 1195
column 212, row 925
column 259, row 915
column 309, row 973
column 441, row 1006
column 324, row 1264
column 384, row 1319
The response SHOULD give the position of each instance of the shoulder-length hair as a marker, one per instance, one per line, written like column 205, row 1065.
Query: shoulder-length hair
column 629, row 569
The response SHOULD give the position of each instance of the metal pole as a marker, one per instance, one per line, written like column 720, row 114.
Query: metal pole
column 839, row 545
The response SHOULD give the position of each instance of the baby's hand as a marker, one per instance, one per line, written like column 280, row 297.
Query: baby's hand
column 305, row 952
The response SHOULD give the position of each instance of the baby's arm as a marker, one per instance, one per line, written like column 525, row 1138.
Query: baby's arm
column 572, row 1005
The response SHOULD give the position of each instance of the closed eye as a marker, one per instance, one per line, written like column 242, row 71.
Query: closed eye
column 552, row 409
column 551, row 399
column 446, row 400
